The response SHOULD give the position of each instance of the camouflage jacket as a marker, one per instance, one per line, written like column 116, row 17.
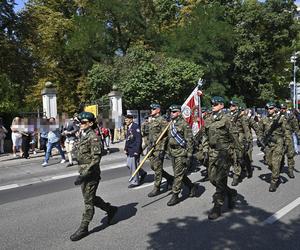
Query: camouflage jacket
column 89, row 152
column 252, row 124
column 220, row 134
column 184, row 130
column 242, row 127
column 156, row 127
column 278, row 133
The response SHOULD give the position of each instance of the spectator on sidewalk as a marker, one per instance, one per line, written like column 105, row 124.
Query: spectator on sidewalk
column 69, row 131
column 26, row 137
column 16, row 136
column 44, row 128
column 106, row 138
column 53, row 141
column 3, row 132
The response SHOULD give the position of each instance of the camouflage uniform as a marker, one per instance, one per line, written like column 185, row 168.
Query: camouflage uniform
column 88, row 157
column 240, row 122
column 156, row 127
column 252, row 124
column 221, row 140
column 291, row 126
column 179, row 155
column 145, row 133
column 274, row 149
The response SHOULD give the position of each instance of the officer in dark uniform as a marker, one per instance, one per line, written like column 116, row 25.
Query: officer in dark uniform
column 88, row 157
column 133, row 150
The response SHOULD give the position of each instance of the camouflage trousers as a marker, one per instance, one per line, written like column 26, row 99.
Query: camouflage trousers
column 273, row 154
column 180, row 169
column 156, row 164
column 289, row 151
column 90, row 200
column 218, row 169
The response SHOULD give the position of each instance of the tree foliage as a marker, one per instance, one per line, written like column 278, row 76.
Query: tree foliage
column 153, row 50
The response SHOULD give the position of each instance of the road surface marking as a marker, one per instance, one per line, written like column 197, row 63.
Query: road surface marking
column 9, row 186
column 282, row 211
column 57, row 177
column 146, row 185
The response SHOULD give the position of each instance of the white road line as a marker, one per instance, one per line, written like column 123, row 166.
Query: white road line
column 64, row 176
column 261, row 153
column 57, row 177
column 9, row 186
column 282, row 211
column 113, row 167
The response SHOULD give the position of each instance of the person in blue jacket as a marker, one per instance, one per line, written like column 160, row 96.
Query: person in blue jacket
column 133, row 150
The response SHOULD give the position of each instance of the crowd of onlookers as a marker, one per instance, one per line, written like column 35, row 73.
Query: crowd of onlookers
column 28, row 134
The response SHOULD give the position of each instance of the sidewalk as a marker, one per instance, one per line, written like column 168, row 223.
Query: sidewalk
column 22, row 171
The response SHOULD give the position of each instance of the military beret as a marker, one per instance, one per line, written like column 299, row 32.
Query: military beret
column 234, row 103
column 283, row 106
column 129, row 116
column 270, row 105
column 155, row 106
column 217, row 99
column 86, row 116
column 175, row 107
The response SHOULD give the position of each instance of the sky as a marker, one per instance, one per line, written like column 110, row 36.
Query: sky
column 20, row 4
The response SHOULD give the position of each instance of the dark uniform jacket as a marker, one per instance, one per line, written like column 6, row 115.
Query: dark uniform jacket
column 133, row 143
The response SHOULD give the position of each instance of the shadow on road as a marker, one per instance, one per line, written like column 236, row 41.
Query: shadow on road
column 238, row 229
column 124, row 212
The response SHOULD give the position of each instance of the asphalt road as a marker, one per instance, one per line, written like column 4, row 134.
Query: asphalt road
column 44, row 215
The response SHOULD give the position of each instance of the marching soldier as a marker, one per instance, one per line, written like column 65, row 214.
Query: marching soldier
column 252, row 124
column 289, row 151
column 145, row 133
column 88, row 157
column 239, row 120
column 272, row 131
column 180, row 148
column 155, row 127
column 220, row 139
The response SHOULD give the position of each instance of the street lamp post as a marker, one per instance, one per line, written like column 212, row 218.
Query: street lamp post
column 294, row 58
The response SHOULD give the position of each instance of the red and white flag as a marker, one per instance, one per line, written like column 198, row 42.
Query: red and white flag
column 191, row 110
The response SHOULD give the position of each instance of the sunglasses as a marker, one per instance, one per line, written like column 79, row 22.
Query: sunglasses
column 174, row 111
column 153, row 108
column 215, row 104
column 271, row 108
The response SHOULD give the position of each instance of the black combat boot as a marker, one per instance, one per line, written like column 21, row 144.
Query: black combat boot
column 235, row 180
column 232, row 196
column 170, row 183
column 273, row 186
column 154, row 192
column 81, row 232
column 215, row 212
column 111, row 213
column 193, row 191
column 174, row 200
column 291, row 173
